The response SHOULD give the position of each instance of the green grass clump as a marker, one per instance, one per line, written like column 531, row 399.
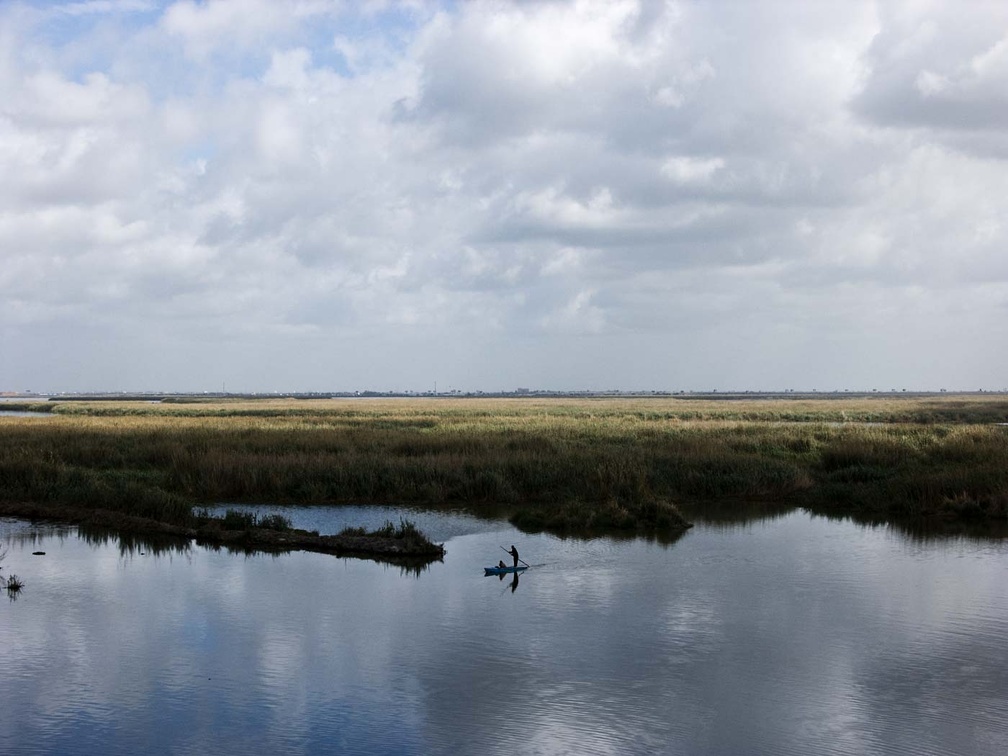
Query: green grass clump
column 233, row 519
column 937, row 472
column 578, row 517
column 406, row 531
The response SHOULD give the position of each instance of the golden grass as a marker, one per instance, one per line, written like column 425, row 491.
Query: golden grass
column 887, row 457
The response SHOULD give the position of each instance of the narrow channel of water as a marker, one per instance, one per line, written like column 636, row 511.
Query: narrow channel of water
column 788, row 635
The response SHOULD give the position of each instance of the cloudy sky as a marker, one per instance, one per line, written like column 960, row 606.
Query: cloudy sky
column 631, row 194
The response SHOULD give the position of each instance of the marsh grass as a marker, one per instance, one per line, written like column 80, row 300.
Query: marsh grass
column 614, row 463
column 593, row 518
column 406, row 531
column 233, row 519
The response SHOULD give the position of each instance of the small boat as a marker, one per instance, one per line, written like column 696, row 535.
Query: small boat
column 502, row 570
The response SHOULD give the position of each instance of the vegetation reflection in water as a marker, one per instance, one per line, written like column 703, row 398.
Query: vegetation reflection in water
column 131, row 545
column 10, row 583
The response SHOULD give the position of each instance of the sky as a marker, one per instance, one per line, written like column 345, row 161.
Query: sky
column 318, row 195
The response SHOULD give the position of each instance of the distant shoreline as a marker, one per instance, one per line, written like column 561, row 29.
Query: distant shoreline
column 737, row 395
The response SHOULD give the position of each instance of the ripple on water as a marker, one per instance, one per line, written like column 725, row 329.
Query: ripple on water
column 793, row 636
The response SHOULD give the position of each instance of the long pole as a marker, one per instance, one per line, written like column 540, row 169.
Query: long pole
column 519, row 558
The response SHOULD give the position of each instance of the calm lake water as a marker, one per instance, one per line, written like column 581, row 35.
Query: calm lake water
column 793, row 635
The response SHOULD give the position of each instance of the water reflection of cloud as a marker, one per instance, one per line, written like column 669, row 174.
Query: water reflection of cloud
column 795, row 636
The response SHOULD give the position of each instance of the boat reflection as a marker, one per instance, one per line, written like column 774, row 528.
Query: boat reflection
column 514, row 581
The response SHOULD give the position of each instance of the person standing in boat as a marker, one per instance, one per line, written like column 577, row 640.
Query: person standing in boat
column 514, row 553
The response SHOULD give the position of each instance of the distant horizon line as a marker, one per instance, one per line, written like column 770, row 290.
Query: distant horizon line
column 518, row 392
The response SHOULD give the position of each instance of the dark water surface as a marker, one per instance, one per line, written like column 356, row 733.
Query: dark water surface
column 793, row 635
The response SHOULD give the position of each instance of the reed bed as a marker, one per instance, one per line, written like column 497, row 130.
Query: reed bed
column 406, row 531
column 614, row 462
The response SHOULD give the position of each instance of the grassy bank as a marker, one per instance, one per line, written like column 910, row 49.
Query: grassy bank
column 559, row 464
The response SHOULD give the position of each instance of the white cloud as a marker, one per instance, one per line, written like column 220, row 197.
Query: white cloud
column 420, row 182
column 690, row 170
column 205, row 27
column 52, row 100
column 933, row 67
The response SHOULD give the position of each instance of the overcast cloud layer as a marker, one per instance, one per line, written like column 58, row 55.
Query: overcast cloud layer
column 317, row 195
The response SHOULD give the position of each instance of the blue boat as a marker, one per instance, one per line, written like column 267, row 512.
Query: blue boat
column 502, row 570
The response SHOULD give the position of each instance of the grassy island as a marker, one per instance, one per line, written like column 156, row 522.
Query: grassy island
column 567, row 465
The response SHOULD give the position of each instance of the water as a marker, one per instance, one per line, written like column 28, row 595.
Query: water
column 6, row 400
column 790, row 635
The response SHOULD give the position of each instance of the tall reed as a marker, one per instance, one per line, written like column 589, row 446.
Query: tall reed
column 888, row 457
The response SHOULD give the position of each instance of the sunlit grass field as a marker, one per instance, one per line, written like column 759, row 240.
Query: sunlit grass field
column 560, row 463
